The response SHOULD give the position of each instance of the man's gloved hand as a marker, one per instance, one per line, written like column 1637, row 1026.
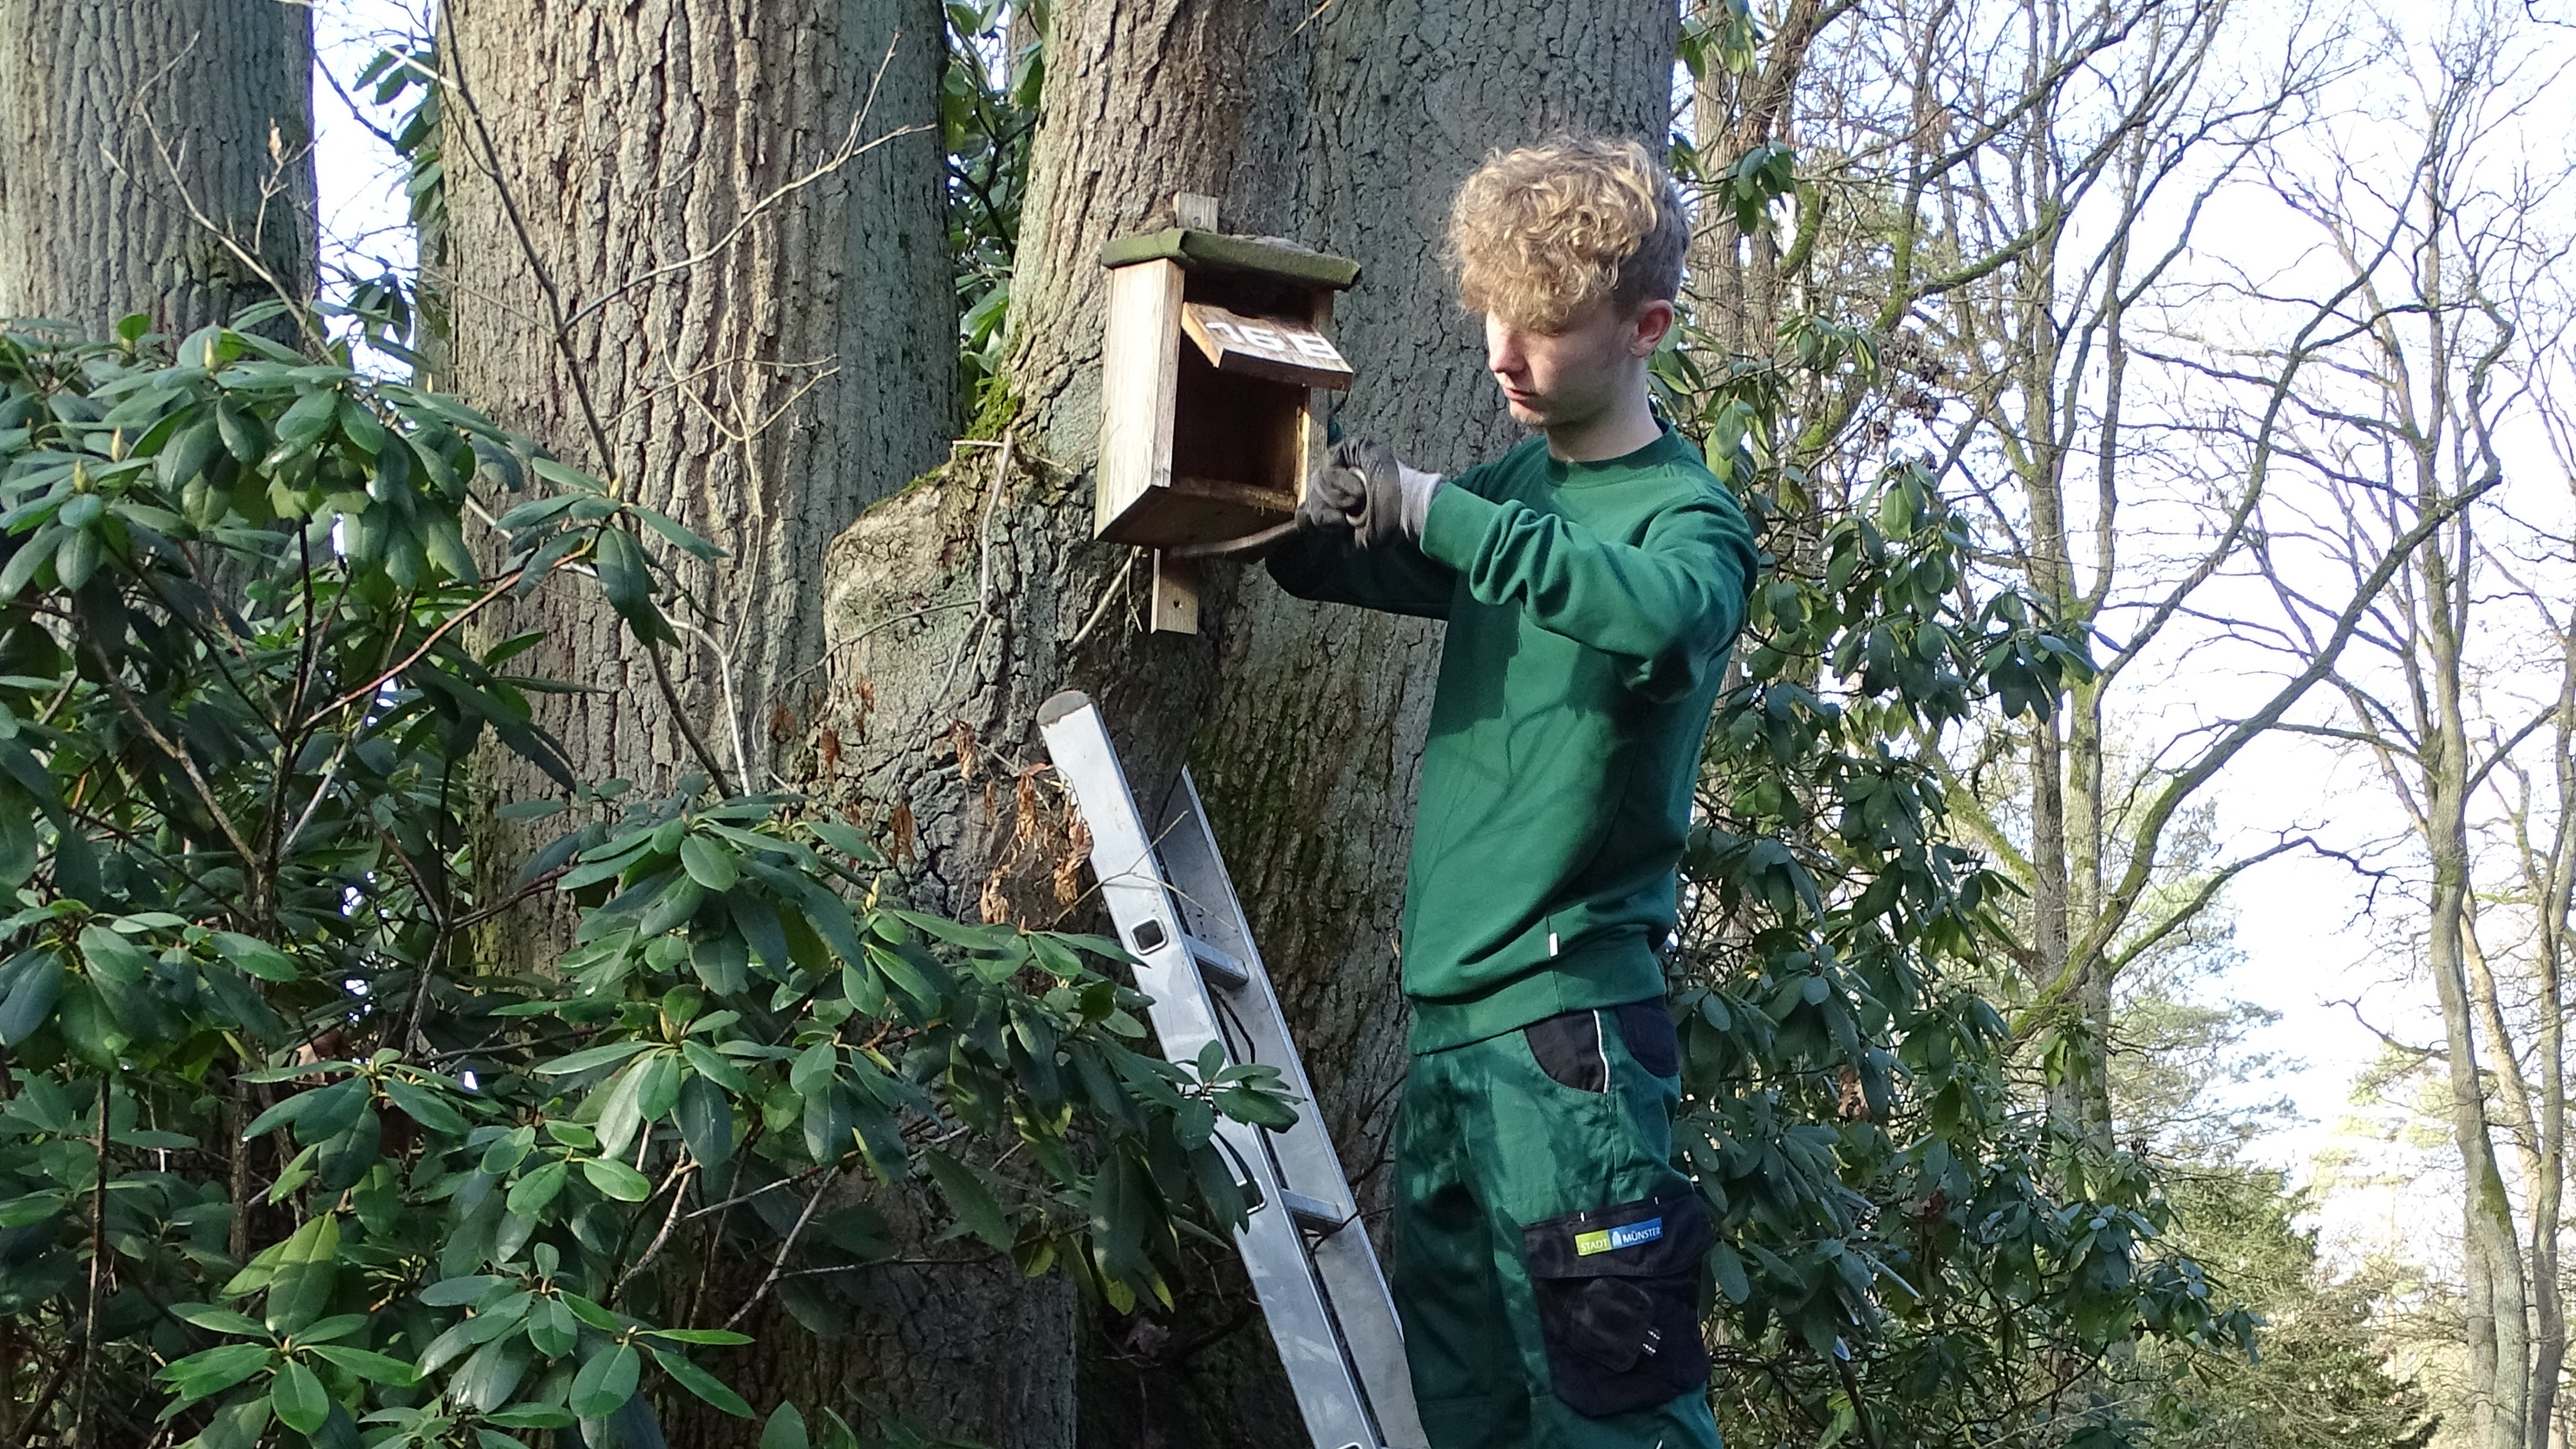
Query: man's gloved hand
column 1364, row 493
column 1335, row 498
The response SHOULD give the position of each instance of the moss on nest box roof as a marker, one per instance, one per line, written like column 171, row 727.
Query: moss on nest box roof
column 1266, row 255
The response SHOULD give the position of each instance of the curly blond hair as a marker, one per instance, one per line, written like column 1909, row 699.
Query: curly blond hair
column 1542, row 232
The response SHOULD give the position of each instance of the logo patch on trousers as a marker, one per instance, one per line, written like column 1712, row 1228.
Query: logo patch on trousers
column 1627, row 1235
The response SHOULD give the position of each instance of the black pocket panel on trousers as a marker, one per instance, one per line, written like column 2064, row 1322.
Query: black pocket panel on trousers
column 1568, row 1047
column 1618, row 1302
column 1648, row 1030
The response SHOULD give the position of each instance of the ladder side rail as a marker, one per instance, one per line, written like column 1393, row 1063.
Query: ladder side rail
column 1294, row 1300
column 1210, row 910
column 1345, row 1259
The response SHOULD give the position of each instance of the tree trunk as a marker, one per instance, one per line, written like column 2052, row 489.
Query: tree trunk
column 2501, row 1355
column 155, row 157
column 1735, row 281
column 2552, row 880
column 700, row 250
column 2499, row 1347
column 960, row 606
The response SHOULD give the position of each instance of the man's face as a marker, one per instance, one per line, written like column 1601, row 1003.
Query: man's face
column 1569, row 377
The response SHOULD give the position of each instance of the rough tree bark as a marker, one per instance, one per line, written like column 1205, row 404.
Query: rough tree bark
column 1346, row 129
column 962, row 604
column 1736, row 281
column 2500, row 1346
column 699, row 249
column 127, row 129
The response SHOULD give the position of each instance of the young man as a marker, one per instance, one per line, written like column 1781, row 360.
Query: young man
column 1547, row 1259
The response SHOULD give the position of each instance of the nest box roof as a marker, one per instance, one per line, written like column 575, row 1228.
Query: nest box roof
column 1268, row 256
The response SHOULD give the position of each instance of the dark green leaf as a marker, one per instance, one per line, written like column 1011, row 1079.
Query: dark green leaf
column 704, row 1116
column 679, row 537
column 701, row 1383
column 785, row 1430
column 113, row 958
column 616, row 1179
column 606, row 1382
column 623, row 575
column 973, row 1202
column 716, row 1336
column 29, row 1003
column 425, row 1107
column 307, row 1274
column 678, row 902
column 845, row 840
column 185, row 456
column 457, row 1292
column 552, row 1328
column 217, row 1369
column 486, row 1379
column 598, row 1056
column 216, row 1320
column 242, row 435
column 302, row 1403
column 712, row 1064
column 373, row 1367
column 279, row 1115
column 238, row 1425
column 255, row 957
column 708, row 863
column 306, row 421
column 530, row 1194
column 530, row 1416
column 360, row 426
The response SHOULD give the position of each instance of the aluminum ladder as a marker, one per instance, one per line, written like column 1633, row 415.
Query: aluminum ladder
column 1304, row 1246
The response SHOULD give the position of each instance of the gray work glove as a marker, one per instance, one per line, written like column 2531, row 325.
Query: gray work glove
column 1335, row 496
column 1365, row 494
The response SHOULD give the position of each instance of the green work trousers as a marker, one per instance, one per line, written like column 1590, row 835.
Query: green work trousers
column 1548, row 1255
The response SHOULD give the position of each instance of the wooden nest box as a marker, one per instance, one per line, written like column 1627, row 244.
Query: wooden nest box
column 1216, row 349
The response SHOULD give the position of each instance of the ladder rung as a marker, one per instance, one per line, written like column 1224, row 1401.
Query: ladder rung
column 1311, row 1212
column 1219, row 965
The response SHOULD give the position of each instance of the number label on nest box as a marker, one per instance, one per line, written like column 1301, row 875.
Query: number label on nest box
column 1272, row 347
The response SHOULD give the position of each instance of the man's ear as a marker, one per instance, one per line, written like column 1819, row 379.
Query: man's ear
column 1654, row 319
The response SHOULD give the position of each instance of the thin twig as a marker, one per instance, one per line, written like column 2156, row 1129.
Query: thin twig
column 786, row 1245
column 186, row 762
column 983, row 589
column 679, row 1190
column 740, row 1198
column 1109, row 595
column 724, row 683
column 297, row 305
column 368, row 690
column 849, row 150
column 680, row 720
column 97, row 1269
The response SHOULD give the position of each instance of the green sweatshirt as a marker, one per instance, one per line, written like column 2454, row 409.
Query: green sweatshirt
column 1591, row 607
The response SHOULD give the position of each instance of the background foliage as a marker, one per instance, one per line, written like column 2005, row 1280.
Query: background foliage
column 349, row 1181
